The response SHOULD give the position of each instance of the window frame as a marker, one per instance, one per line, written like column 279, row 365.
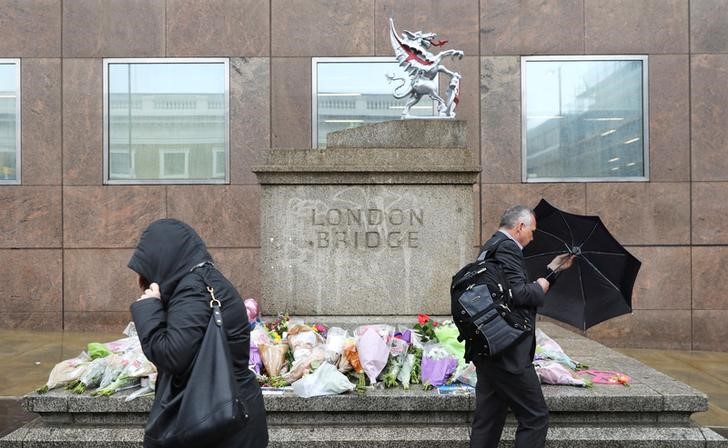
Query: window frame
column 132, row 164
column 314, row 85
column 215, row 152
column 645, row 118
column 18, row 118
column 163, row 181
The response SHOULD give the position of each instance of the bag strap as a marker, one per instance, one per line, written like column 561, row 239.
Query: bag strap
column 215, row 304
column 489, row 252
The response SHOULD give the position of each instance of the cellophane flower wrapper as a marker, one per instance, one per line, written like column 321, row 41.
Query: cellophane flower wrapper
column 467, row 374
column 273, row 357
column 304, row 365
column 405, row 371
column 115, row 365
column 301, row 341
column 437, row 365
column 123, row 345
column 325, row 380
column 254, row 362
column 553, row 372
column 335, row 340
column 397, row 354
column 66, row 371
column 384, row 331
column 344, row 365
column 547, row 348
column 373, row 353
column 252, row 309
column 91, row 377
column 447, row 336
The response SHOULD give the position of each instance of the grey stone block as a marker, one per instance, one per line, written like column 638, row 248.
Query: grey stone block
column 402, row 134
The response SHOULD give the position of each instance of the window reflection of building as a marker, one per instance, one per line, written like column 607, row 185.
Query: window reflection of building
column 340, row 112
column 166, row 124
column 9, row 120
column 598, row 130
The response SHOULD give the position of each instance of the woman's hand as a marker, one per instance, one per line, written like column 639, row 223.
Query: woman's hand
column 151, row 293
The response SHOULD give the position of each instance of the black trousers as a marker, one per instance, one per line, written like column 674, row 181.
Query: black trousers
column 496, row 391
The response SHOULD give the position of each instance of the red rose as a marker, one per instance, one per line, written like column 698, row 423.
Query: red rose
column 423, row 318
column 434, row 323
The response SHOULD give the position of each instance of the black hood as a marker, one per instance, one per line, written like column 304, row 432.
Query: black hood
column 166, row 252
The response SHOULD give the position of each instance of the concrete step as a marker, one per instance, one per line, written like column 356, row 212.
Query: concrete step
column 435, row 436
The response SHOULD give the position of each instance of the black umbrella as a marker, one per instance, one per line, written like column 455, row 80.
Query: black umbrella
column 598, row 286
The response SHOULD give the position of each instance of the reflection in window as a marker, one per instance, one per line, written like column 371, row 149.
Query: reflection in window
column 9, row 121
column 584, row 118
column 167, row 120
column 349, row 92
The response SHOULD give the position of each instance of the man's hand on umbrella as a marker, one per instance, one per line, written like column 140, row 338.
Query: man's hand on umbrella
column 561, row 262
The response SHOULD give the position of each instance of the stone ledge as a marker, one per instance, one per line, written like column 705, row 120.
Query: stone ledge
column 402, row 134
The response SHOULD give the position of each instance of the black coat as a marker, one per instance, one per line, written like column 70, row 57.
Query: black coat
column 171, row 330
column 527, row 297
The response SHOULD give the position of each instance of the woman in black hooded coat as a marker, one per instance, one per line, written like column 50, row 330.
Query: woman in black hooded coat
column 172, row 255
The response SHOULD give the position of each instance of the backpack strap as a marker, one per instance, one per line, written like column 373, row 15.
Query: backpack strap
column 489, row 252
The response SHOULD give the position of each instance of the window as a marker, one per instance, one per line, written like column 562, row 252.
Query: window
column 122, row 164
column 174, row 163
column 349, row 92
column 218, row 163
column 585, row 118
column 9, row 121
column 165, row 120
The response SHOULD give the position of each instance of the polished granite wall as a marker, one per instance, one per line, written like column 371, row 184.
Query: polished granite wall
column 65, row 237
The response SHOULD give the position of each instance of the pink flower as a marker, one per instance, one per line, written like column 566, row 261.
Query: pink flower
column 423, row 318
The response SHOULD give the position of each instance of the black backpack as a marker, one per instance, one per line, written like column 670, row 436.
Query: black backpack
column 480, row 296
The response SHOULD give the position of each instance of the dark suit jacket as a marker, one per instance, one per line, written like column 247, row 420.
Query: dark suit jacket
column 527, row 297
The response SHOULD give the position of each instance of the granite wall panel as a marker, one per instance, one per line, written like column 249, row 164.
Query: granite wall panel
column 291, row 102
column 664, row 280
column 41, row 122
column 660, row 329
column 30, row 281
column 82, row 122
column 708, row 209
column 500, row 119
column 97, row 280
column 642, row 213
column 242, row 267
column 101, row 28
column 496, row 198
column 710, row 277
column 628, row 26
column 709, row 26
column 31, row 28
column 526, row 27
column 669, row 99
column 455, row 21
column 709, row 106
column 31, row 217
column 224, row 216
column 249, row 116
column 322, row 28
column 109, row 217
column 218, row 28
column 710, row 331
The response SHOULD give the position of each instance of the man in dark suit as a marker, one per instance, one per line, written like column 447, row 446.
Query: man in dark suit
column 509, row 379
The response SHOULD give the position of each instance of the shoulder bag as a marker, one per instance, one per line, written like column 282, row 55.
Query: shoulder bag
column 207, row 409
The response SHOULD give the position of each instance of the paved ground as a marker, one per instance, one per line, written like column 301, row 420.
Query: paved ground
column 28, row 356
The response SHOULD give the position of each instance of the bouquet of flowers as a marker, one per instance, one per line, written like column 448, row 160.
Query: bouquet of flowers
column 397, row 357
column 325, row 380
column 425, row 328
column 335, row 339
column 373, row 353
column 352, row 358
column 65, row 372
column 437, row 365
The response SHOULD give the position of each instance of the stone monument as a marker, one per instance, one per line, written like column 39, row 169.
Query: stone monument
column 376, row 224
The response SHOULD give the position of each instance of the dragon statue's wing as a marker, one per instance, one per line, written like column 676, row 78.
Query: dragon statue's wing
column 410, row 55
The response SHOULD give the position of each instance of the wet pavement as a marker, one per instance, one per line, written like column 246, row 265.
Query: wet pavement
column 28, row 357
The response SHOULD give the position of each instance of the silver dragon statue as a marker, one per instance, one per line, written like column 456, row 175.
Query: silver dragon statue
column 412, row 52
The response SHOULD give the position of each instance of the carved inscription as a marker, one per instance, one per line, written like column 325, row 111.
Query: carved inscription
column 366, row 228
